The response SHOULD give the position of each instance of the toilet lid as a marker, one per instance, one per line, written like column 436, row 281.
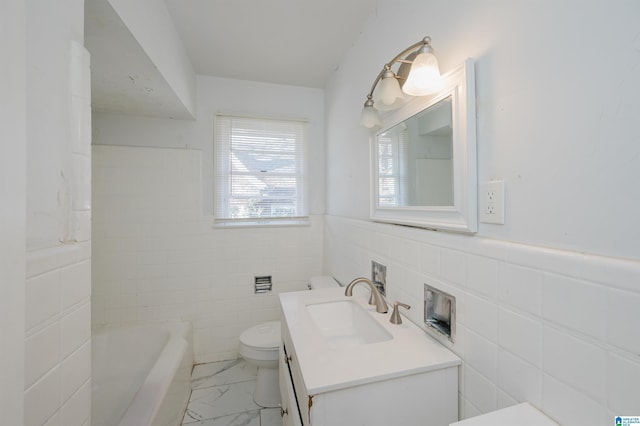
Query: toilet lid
column 263, row 336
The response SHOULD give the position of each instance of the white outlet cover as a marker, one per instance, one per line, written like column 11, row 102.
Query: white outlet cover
column 491, row 197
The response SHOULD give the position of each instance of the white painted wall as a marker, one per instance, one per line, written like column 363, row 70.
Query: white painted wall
column 556, row 100
column 156, row 255
column 56, row 317
column 12, row 209
column 153, row 28
column 225, row 95
column 557, row 92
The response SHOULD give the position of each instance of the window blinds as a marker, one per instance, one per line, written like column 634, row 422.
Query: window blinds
column 392, row 168
column 259, row 169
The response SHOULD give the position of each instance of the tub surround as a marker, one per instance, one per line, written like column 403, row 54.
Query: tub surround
column 157, row 258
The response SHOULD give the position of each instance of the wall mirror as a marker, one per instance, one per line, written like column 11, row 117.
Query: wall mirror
column 423, row 160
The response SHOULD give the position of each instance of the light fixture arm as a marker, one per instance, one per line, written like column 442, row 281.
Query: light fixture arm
column 424, row 42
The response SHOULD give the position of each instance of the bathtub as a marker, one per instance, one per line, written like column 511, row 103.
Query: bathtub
column 140, row 375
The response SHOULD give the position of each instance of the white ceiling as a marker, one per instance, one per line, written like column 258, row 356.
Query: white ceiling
column 295, row 42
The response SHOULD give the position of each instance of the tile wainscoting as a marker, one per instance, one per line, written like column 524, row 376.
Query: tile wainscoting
column 556, row 328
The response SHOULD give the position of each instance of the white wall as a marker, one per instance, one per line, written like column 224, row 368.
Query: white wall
column 57, row 316
column 555, row 105
column 156, row 254
column 539, row 320
column 12, row 209
column 153, row 28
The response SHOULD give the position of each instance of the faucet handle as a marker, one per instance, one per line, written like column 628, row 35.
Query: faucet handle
column 395, row 315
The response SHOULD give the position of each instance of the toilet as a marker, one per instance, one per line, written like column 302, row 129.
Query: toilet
column 260, row 345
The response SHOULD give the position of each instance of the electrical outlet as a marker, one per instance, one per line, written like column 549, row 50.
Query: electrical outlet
column 492, row 202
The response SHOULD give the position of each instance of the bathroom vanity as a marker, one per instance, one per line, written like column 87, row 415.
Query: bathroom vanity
column 342, row 363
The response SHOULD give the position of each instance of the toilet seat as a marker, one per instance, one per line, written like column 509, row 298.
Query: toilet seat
column 264, row 337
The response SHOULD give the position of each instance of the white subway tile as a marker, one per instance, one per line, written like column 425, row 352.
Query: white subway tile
column 429, row 259
column 42, row 399
column 574, row 304
column 481, row 316
column 453, row 266
column 520, row 287
column 380, row 244
column 569, row 407
column 77, row 409
column 76, row 283
column 574, row 361
column 55, row 420
column 413, row 284
column 482, row 355
column 82, row 226
column 520, row 335
column 411, row 257
column 482, row 275
column 623, row 378
column 505, row 400
column 76, row 370
column 76, row 329
column 552, row 260
column 42, row 352
column 479, row 391
column 521, row 380
column 623, row 322
column 470, row 410
column 619, row 273
column 43, row 298
column 81, row 190
column 396, row 249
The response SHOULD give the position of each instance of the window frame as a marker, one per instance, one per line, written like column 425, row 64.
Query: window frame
column 223, row 172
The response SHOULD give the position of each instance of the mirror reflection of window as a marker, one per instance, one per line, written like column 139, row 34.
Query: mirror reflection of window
column 392, row 167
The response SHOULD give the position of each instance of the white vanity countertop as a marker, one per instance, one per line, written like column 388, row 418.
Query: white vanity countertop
column 327, row 367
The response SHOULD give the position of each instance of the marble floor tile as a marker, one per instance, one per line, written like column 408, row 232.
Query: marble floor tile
column 222, row 373
column 270, row 417
column 219, row 401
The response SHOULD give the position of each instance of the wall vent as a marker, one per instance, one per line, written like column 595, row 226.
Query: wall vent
column 263, row 284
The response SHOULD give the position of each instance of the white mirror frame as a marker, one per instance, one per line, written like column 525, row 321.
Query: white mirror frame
column 459, row 83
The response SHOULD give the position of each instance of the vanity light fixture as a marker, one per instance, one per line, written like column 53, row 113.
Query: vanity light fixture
column 417, row 75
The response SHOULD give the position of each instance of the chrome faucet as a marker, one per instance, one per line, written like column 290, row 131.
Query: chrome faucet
column 378, row 300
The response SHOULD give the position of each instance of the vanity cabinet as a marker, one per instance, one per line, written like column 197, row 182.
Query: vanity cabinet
column 427, row 398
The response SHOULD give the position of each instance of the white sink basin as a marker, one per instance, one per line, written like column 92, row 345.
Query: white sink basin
column 346, row 323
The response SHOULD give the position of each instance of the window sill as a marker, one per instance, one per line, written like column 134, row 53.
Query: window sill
column 277, row 223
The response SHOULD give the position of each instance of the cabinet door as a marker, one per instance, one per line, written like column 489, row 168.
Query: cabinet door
column 290, row 412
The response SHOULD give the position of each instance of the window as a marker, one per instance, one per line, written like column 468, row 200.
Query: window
column 259, row 171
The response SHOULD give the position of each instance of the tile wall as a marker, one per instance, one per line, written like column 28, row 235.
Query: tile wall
column 157, row 258
column 58, row 336
column 556, row 328
column 57, row 361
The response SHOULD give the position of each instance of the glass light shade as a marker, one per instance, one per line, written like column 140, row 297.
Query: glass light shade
column 370, row 117
column 380, row 106
column 388, row 91
column 424, row 76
